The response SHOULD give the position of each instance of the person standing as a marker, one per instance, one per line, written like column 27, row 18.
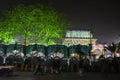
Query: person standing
column 56, row 65
column 81, row 67
column 40, row 67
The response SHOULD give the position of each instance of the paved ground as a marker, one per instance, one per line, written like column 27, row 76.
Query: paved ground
column 63, row 76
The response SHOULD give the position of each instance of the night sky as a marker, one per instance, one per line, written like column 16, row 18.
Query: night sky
column 101, row 16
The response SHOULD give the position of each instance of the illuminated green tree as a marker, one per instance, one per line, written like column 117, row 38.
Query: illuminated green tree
column 38, row 24
column 6, row 34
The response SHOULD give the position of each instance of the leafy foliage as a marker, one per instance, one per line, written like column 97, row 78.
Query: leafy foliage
column 38, row 24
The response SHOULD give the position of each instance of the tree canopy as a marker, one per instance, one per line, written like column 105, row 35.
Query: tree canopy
column 32, row 23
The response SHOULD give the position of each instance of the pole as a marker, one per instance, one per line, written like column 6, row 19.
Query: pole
column 90, row 43
column 90, row 48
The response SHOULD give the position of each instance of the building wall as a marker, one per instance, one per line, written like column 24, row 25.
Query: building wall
column 73, row 41
column 75, row 37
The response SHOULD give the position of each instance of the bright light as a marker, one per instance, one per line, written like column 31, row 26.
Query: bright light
column 79, row 34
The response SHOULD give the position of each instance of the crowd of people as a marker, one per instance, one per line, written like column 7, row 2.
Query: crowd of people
column 103, row 64
column 57, row 65
column 54, row 65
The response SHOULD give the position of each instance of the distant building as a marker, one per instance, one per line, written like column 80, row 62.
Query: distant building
column 75, row 37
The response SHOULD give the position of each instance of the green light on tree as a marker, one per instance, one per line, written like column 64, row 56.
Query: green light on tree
column 6, row 34
column 38, row 24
